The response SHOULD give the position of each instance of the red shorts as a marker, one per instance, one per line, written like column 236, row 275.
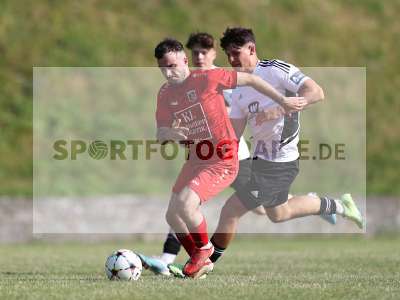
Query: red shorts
column 207, row 180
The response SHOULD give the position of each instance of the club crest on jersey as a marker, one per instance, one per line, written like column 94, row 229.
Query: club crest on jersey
column 253, row 107
column 192, row 96
column 297, row 77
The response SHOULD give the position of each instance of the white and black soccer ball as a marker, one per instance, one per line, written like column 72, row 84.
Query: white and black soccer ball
column 123, row 264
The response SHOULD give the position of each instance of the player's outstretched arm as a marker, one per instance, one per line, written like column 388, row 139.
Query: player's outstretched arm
column 290, row 104
column 311, row 91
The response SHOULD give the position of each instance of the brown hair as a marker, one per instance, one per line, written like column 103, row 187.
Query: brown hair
column 203, row 39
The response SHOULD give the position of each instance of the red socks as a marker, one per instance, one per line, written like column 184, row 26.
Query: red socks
column 187, row 242
column 199, row 234
column 198, row 237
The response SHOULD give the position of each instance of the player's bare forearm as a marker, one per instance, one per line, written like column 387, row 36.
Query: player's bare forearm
column 311, row 91
column 260, row 85
column 289, row 104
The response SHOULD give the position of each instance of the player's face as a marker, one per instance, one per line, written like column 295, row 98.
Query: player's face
column 174, row 67
column 203, row 58
column 241, row 57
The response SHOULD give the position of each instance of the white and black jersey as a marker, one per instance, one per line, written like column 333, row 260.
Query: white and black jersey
column 275, row 136
column 243, row 152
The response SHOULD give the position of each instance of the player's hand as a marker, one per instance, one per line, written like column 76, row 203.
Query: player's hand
column 270, row 114
column 293, row 104
column 177, row 132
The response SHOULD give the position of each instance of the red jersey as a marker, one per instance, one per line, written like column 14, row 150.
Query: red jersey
column 199, row 103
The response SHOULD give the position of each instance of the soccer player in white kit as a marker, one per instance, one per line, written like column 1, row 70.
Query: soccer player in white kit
column 275, row 137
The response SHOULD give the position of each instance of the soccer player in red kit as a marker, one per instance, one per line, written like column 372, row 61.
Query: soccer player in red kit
column 191, row 110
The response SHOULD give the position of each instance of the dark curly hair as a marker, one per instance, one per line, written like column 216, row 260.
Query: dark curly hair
column 167, row 45
column 236, row 37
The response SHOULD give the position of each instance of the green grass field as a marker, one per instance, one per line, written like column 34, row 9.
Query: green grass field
column 253, row 268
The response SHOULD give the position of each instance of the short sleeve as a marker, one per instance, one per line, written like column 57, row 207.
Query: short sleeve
column 226, row 79
column 163, row 115
column 289, row 76
column 236, row 111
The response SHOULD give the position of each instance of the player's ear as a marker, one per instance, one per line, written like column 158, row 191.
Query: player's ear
column 252, row 48
column 186, row 60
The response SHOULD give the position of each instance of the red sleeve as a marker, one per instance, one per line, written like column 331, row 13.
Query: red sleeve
column 163, row 114
column 226, row 79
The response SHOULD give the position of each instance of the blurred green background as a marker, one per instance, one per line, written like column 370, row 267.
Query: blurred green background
column 124, row 33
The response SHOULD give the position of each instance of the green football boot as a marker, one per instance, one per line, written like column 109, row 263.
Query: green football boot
column 351, row 211
column 176, row 270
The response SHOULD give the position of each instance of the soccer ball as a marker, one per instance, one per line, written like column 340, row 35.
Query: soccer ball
column 123, row 265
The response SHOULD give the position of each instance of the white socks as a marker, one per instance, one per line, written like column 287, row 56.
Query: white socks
column 168, row 258
column 339, row 207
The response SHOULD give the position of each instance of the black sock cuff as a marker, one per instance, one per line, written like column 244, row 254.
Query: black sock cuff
column 171, row 245
column 328, row 206
column 216, row 245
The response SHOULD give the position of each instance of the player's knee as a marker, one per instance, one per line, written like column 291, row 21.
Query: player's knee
column 278, row 216
column 186, row 205
column 259, row 210
column 185, row 211
column 275, row 218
